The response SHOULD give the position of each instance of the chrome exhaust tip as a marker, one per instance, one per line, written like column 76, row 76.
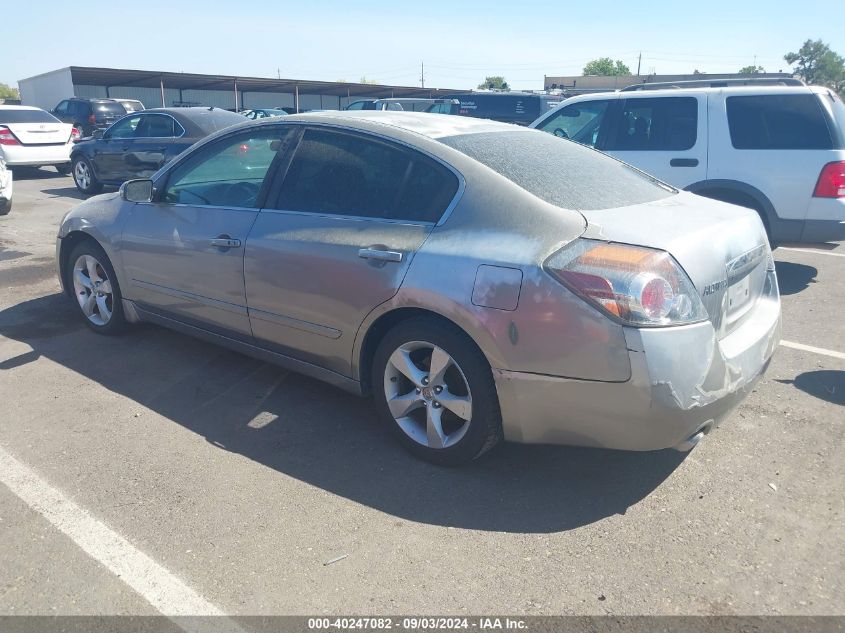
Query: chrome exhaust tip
column 692, row 441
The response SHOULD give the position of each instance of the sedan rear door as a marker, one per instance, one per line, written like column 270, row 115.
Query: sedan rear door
column 154, row 143
column 336, row 240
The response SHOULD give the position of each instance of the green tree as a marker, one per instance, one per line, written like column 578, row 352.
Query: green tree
column 816, row 64
column 606, row 66
column 364, row 80
column 494, row 83
column 751, row 70
column 7, row 92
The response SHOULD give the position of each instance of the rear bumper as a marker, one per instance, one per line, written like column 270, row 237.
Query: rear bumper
column 683, row 381
column 34, row 155
column 825, row 221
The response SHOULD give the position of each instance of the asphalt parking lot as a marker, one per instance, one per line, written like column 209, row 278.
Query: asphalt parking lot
column 235, row 482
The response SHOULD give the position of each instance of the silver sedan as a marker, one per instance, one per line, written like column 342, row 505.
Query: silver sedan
column 482, row 281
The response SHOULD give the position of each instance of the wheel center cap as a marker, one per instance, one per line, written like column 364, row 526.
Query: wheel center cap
column 428, row 393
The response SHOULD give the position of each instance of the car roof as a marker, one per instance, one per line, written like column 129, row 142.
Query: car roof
column 434, row 126
column 18, row 107
column 674, row 92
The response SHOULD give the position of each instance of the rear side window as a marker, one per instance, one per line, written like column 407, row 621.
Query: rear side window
column 663, row 123
column 500, row 106
column 346, row 174
column 777, row 122
column 26, row 116
column 560, row 172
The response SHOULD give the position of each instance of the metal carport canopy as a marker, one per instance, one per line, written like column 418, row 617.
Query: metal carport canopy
column 89, row 76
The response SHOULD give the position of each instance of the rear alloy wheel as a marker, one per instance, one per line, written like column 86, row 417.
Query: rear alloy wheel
column 435, row 389
column 84, row 178
column 95, row 288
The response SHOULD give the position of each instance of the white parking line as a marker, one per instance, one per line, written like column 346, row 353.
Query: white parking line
column 810, row 250
column 163, row 590
column 814, row 350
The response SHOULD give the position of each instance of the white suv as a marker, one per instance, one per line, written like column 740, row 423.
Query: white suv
column 777, row 149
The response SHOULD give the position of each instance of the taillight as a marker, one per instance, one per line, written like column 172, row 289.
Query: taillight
column 640, row 286
column 75, row 134
column 7, row 138
column 92, row 118
column 831, row 182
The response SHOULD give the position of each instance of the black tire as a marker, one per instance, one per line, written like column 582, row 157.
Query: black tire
column 117, row 321
column 5, row 207
column 484, row 430
column 63, row 169
column 94, row 186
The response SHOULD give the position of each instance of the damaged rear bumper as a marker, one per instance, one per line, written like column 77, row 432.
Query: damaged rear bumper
column 684, row 381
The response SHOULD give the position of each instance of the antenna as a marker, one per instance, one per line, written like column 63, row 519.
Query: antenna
column 639, row 61
column 422, row 74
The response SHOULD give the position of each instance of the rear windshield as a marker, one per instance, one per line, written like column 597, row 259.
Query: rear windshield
column 558, row 171
column 111, row 107
column 514, row 107
column 26, row 116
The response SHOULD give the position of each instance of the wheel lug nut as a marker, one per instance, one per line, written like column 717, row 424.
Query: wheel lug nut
column 438, row 389
column 419, row 391
column 436, row 405
column 425, row 380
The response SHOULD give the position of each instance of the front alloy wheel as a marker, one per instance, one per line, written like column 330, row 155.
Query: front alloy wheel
column 93, row 290
column 428, row 395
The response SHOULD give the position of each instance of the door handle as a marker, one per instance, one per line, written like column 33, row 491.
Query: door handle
column 381, row 255
column 684, row 162
column 224, row 241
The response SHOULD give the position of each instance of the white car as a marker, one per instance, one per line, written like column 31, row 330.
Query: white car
column 779, row 150
column 33, row 137
column 6, row 186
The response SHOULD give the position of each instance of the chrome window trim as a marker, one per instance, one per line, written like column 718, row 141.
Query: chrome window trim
column 351, row 218
column 279, row 121
column 181, row 127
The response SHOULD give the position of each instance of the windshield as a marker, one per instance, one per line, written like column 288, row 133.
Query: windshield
column 560, row 172
column 26, row 116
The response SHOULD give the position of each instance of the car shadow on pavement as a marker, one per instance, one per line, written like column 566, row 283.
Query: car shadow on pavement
column 793, row 278
column 826, row 384
column 331, row 439
column 36, row 173
column 66, row 192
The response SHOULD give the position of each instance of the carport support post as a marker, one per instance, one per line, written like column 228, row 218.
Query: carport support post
column 161, row 84
column 296, row 89
column 236, row 95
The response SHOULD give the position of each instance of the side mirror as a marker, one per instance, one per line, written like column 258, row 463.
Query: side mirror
column 97, row 134
column 137, row 190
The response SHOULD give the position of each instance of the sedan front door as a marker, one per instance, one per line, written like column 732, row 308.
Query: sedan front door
column 183, row 253
column 336, row 240
column 108, row 152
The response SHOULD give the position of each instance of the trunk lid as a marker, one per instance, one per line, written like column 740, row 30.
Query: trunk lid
column 723, row 248
column 41, row 133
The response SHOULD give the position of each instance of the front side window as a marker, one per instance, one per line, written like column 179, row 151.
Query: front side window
column 656, row 124
column 125, row 128
column 777, row 121
column 345, row 174
column 580, row 122
column 227, row 173
column 61, row 108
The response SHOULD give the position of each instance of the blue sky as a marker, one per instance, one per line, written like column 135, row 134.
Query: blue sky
column 460, row 42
